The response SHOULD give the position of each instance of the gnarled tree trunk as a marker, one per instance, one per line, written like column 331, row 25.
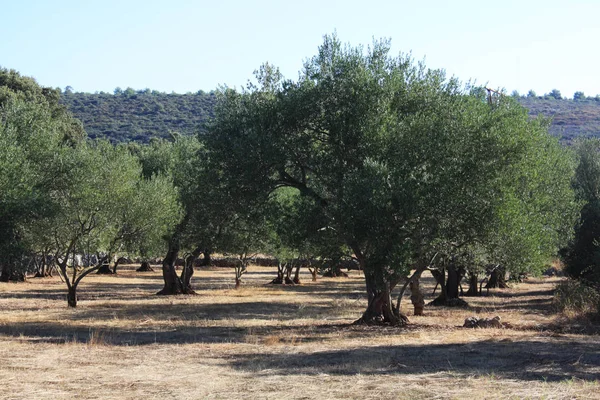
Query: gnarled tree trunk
column 173, row 284
column 449, row 295
column 472, row 285
column 497, row 279
column 145, row 267
column 380, row 308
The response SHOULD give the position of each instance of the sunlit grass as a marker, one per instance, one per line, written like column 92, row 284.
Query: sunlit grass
column 274, row 342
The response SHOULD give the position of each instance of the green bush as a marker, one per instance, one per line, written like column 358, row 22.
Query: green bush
column 573, row 296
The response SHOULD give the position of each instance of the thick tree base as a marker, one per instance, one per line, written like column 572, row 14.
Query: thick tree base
column 14, row 277
column 105, row 270
column 145, row 267
column 282, row 281
column 456, row 302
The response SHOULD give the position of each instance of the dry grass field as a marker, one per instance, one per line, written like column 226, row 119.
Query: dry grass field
column 274, row 342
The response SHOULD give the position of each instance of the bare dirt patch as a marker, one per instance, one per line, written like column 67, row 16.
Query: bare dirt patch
column 274, row 342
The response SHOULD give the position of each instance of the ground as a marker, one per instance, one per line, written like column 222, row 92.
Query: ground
column 279, row 342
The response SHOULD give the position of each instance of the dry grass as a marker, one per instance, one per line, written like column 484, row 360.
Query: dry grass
column 263, row 341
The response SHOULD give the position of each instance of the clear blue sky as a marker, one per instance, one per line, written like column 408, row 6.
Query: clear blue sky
column 186, row 46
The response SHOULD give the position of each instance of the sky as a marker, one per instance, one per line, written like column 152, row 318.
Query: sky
column 186, row 46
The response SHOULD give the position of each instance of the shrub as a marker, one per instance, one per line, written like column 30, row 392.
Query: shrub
column 572, row 296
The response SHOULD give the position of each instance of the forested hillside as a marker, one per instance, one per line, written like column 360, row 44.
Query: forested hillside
column 130, row 115
column 570, row 118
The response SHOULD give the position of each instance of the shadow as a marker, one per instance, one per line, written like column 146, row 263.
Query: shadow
column 162, row 323
column 530, row 293
column 57, row 333
column 548, row 360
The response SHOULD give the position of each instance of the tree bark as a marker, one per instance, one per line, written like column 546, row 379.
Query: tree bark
column 207, row 259
column 472, row 285
column 119, row 260
column 104, row 270
column 440, row 279
column 9, row 274
column 145, row 267
column 380, row 309
column 188, row 271
column 72, row 296
column 497, row 279
column 416, row 297
column 296, row 279
column 452, row 283
column 450, row 287
column 173, row 284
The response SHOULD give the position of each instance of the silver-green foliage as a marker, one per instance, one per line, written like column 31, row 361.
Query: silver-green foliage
column 400, row 159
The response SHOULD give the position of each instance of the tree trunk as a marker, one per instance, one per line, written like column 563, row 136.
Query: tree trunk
column 452, row 283
column 450, row 287
column 416, row 297
column 9, row 274
column 119, row 260
column 380, row 310
column 104, row 270
column 207, row 259
column 497, row 279
column 72, row 296
column 188, row 271
column 282, row 275
column 296, row 279
column 472, row 285
column 440, row 279
column 145, row 267
column 173, row 284
column 42, row 271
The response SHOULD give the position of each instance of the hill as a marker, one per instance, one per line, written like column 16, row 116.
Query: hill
column 140, row 115
column 131, row 115
column 570, row 118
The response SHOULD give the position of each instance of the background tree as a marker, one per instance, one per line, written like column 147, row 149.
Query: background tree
column 102, row 204
column 34, row 130
column 579, row 96
column 555, row 94
column 582, row 256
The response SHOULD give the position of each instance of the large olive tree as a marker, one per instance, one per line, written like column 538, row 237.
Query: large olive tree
column 399, row 158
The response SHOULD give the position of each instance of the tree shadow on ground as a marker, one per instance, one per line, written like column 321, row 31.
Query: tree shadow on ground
column 548, row 360
column 143, row 323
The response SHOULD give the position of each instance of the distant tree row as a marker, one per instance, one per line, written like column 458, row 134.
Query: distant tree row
column 556, row 95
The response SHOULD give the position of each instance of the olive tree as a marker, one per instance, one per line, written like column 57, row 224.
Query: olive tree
column 397, row 156
column 102, row 203
column 582, row 255
column 32, row 126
